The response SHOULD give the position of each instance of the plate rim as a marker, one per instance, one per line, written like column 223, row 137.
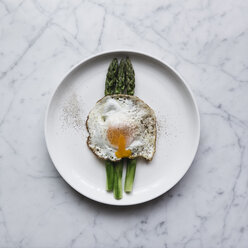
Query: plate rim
column 135, row 52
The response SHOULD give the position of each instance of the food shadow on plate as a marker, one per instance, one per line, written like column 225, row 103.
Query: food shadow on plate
column 171, row 195
column 125, row 210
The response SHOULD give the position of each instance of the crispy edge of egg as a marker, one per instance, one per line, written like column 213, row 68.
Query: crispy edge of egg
column 136, row 99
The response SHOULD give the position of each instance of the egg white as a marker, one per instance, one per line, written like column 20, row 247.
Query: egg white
column 122, row 111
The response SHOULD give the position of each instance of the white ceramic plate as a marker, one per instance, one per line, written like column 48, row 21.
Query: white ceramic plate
column 161, row 88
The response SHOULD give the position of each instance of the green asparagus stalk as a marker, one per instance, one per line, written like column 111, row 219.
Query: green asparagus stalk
column 110, row 84
column 119, row 89
column 131, row 163
column 130, row 77
column 130, row 174
column 118, row 180
column 111, row 77
column 120, row 84
column 109, row 165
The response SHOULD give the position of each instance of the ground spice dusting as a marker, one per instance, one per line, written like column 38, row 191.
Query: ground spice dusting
column 161, row 125
column 72, row 113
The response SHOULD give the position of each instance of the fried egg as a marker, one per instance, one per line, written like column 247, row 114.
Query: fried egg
column 122, row 126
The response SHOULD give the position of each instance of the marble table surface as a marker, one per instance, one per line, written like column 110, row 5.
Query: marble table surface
column 206, row 41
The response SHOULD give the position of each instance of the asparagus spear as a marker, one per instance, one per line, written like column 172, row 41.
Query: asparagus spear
column 119, row 89
column 131, row 163
column 111, row 77
column 130, row 77
column 109, row 165
column 110, row 84
column 118, row 180
column 130, row 174
column 120, row 84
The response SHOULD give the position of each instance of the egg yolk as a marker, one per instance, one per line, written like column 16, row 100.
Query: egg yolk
column 118, row 138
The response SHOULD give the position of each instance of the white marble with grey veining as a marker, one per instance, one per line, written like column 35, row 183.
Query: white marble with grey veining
column 206, row 41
